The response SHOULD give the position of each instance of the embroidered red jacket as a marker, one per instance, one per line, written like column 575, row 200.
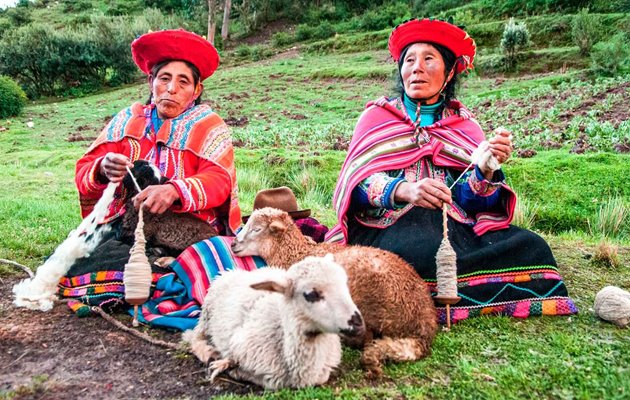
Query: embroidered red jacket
column 194, row 150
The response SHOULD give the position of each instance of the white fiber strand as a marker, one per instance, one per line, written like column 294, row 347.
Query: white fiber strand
column 38, row 293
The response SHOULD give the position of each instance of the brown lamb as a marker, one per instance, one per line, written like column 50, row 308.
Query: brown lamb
column 171, row 231
column 400, row 317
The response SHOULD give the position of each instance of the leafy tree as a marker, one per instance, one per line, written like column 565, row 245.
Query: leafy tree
column 585, row 31
column 612, row 57
column 515, row 37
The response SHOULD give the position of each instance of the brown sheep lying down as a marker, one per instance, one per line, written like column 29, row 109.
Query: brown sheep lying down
column 399, row 314
column 172, row 231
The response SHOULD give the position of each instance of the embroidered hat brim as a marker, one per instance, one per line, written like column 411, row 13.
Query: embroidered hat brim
column 434, row 31
column 177, row 44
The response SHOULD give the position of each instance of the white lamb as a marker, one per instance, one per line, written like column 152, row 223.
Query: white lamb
column 277, row 328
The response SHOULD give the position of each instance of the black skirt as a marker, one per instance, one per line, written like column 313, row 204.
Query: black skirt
column 509, row 272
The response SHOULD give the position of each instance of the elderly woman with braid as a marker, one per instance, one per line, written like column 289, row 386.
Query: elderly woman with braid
column 406, row 160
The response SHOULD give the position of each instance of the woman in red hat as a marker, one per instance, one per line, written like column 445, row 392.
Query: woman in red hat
column 406, row 160
column 186, row 140
column 189, row 143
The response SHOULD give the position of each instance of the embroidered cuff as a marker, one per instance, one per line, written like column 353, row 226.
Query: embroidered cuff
column 90, row 180
column 396, row 183
column 380, row 191
column 186, row 197
column 483, row 187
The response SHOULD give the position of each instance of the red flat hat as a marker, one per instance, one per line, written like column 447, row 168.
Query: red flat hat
column 433, row 31
column 178, row 44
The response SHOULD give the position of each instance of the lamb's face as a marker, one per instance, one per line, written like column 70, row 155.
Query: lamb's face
column 320, row 291
column 257, row 236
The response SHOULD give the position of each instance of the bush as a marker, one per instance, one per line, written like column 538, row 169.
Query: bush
column 260, row 53
column 124, row 7
column 280, row 39
column 325, row 12
column 324, row 30
column 5, row 26
column 612, row 57
column 243, row 51
column 610, row 6
column 515, row 37
column 48, row 61
column 383, row 17
column 19, row 16
column 304, row 32
column 431, row 8
column 12, row 98
column 75, row 6
column 585, row 31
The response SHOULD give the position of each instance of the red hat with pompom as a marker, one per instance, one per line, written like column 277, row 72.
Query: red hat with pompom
column 433, row 31
column 177, row 44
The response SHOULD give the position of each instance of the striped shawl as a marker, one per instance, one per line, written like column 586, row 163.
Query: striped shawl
column 385, row 139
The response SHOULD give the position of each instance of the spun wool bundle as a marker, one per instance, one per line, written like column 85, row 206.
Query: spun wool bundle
column 446, row 273
column 446, row 258
column 446, row 261
column 137, row 275
column 612, row 304
column 39, row 293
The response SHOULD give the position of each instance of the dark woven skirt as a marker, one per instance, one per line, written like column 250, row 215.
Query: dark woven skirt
column 508, row 272
column 97, row 280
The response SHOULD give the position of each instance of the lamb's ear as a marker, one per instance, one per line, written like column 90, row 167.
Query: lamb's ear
column 282, row 286
column 277, row 227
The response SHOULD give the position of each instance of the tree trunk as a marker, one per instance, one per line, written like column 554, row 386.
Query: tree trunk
column 212, row 22
column 225, row 28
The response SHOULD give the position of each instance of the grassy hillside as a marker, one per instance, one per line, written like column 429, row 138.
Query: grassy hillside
column 292, row 118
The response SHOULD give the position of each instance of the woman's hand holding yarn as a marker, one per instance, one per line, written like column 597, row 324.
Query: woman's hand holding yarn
column 427, row 193
column 156, row 198
column 501, row 148
column 114, row 167
column 501, row 145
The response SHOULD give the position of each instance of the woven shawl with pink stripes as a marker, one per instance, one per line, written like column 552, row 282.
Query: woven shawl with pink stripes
column 385, row 139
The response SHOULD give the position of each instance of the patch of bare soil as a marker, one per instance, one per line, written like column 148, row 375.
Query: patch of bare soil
column 55, row 354
column 237, row 121
column 294, row 116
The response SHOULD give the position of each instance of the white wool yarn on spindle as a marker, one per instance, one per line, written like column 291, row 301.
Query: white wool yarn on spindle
column 612, row 304
column 137, row 275
column 446, row 274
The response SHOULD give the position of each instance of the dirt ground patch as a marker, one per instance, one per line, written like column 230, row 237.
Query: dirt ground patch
column 56, row 355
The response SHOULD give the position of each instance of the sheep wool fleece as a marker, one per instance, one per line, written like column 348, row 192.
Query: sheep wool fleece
column 194, row 150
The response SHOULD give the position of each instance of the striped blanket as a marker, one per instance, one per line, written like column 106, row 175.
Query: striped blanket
column 176, row 297
column 386, row 139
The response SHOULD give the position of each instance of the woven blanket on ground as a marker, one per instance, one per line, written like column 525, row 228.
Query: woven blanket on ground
column 509, row 272
column 176, row 297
